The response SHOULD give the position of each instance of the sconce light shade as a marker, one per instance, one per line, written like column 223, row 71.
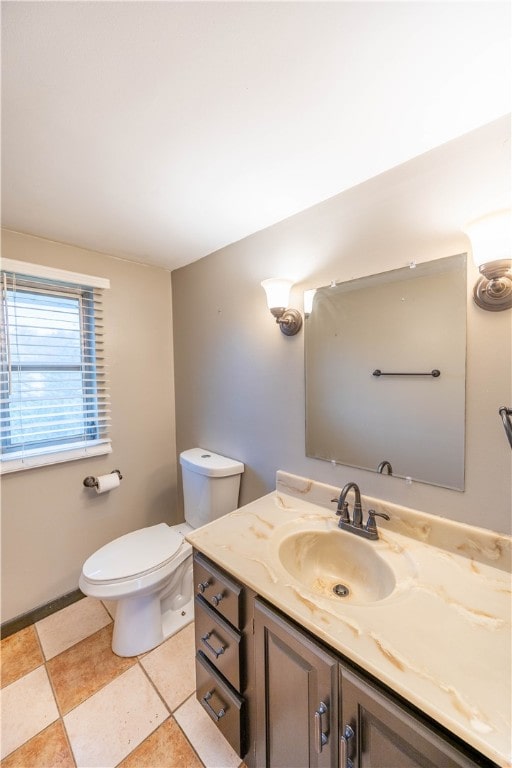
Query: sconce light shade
column 278, row 293
column 492, row 251
column 308, row 301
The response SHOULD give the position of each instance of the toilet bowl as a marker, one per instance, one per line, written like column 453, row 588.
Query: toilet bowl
column 148, row 572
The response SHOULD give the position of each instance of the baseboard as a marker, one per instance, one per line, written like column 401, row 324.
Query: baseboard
column 26, row 619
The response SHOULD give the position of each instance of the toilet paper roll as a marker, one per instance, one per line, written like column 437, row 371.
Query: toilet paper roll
column 107, row 482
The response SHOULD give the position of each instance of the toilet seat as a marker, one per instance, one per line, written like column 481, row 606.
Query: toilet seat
column 134, row 555
column 145, row 578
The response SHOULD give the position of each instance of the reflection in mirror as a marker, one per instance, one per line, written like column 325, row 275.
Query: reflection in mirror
column 385, row 372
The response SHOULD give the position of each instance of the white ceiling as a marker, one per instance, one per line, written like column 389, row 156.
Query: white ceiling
column 162, row 131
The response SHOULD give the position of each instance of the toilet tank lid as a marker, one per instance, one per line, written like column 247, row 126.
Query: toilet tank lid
column 212, row 464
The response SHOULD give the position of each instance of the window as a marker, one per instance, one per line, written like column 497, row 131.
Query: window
column 54, row 396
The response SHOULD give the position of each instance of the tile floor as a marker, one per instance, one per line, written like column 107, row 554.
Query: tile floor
column 67, row 701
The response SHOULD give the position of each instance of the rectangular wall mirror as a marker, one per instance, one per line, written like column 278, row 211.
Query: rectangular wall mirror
column 408, row 324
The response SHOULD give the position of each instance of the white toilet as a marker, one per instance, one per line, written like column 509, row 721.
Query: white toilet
column 149, row 572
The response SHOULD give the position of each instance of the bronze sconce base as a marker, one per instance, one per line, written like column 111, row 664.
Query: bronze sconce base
column 493, row 291
column 289, row 320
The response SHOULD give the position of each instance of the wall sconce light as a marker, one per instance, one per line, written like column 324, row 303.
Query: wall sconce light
column 491, row 246
column 278, row 293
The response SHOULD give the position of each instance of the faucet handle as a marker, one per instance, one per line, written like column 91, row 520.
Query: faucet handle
column 371, row 524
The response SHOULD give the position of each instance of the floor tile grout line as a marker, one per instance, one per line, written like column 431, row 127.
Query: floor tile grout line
column 86, row 637
column 50, row 680
column 63, row 714
column 154, row 686
column 161, row 699
column 137, row 662
column 172, row 711
column 185, row 733
column 3, row 639
column 34, row 625
column 105, row 685
column 152, row 683
column 60, row 717
column 192, row 695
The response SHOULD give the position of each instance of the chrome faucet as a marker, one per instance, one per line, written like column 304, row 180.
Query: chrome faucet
column 368, row 531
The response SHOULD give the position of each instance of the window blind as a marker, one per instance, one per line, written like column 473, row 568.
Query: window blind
column 54, row 403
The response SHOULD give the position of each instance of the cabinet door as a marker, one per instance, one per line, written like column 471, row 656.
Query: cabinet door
column 386, row 735
column 296, row 696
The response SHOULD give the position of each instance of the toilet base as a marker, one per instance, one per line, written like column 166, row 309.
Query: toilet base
column 142, row 622
column 173, row 621
column 152, row 627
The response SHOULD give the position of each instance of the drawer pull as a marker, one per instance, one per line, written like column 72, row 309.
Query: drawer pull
column 217, row 598
column 345, row 761
column 205, row 638
column 320, row 736
column 206, row 702
column 203, row 586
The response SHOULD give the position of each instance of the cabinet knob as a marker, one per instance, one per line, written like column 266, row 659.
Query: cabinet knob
column 203, row 586
column 217, row 598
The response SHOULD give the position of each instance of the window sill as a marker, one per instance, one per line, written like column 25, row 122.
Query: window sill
column 18, row 462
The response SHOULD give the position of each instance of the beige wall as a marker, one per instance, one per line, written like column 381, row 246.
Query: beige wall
column 240, row 382
column 50, row 522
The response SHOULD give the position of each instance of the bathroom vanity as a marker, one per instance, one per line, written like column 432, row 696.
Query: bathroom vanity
column 410, row 667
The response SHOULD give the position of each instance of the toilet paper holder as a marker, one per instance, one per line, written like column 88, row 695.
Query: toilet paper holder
column 92, row 482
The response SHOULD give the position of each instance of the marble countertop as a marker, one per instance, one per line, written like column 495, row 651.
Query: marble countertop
column 441, row 638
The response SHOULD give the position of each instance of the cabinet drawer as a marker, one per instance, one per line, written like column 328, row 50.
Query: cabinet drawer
column 218, row 589
column 223, row 704
column 219, row 642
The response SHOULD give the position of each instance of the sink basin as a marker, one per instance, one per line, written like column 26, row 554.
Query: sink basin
column 337, row 565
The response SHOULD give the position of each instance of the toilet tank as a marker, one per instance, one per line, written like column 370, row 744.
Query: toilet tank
column 211, row 484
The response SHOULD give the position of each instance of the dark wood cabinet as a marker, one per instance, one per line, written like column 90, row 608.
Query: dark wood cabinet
column 378, row 732
column 284, row 700
column 296, row 696
column 222, row 660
